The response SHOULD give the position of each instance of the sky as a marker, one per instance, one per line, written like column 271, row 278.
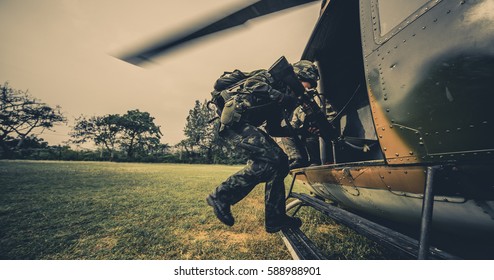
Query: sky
column 63, row 53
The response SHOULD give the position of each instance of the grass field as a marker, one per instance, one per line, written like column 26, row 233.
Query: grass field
column 101, row 210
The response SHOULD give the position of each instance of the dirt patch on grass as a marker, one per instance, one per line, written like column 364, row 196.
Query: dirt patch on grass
column 106, row 243
column 236, row 237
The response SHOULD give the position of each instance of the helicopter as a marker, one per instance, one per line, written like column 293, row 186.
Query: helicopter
column 412, row 84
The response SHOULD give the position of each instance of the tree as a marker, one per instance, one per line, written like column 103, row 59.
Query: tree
column 103, row 131
column 203, row 139
column 21, row 115
column 135, row 133
column 199, row 130
column 139, row 133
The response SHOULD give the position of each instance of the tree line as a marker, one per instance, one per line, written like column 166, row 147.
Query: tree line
column 132, row 136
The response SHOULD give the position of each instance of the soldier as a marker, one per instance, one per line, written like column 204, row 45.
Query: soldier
column 258, row 100
column 303, row 151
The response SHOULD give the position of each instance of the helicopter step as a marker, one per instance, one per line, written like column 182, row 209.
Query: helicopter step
column 405, row 246
column 300, row 246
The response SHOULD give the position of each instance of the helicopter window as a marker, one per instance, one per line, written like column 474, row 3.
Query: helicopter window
column 358, row 124
column 393, row 12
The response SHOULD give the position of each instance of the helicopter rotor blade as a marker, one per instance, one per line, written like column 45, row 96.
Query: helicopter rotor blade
column 257, row 9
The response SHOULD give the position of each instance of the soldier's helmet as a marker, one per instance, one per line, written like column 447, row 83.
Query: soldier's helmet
column 306, row 71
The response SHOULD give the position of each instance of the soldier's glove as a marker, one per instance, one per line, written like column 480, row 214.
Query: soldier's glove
column 314, row 131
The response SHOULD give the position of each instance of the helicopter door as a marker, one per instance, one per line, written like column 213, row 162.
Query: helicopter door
column 336, row 47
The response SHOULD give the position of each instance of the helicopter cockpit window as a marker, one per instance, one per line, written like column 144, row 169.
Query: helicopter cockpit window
column 394, row 12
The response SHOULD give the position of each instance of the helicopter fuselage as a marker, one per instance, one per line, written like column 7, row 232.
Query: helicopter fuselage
column 423, row 72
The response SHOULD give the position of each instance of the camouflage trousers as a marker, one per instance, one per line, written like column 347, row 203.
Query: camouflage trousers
column 267, row 163
column 309, row 152
column 303, row 149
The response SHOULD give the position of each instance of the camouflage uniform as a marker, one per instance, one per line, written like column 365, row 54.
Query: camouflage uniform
column 309, row 152
column 267, row 161
column 290, row 145
column 303, row 150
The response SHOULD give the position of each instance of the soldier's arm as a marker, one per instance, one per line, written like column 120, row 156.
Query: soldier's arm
column 274, row 128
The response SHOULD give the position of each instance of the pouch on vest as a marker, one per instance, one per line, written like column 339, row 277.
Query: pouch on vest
column 232, row 112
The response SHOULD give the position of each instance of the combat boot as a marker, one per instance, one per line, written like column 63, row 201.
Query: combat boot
column 285, row 222
column 221, row 210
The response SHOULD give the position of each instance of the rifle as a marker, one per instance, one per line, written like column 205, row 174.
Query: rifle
column 281, row 70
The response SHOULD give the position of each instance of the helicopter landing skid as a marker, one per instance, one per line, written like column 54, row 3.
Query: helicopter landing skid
column 300, row 246
column 405, row 246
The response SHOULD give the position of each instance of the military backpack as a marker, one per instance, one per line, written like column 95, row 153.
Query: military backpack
column 227, row 86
